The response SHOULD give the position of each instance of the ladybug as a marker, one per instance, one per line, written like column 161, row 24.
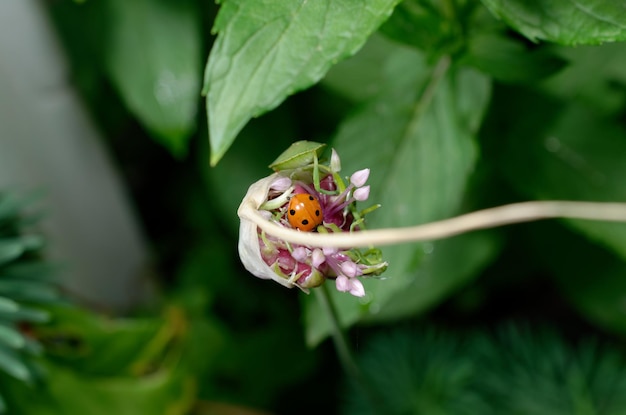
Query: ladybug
column 305, row 212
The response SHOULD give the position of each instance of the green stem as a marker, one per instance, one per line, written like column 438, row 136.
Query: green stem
column 344, row 352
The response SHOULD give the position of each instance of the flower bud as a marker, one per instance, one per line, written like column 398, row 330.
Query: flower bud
column 356, row 288
column 335, row 162
column 343, row 283
column 331, row 205
column 349, row 269
column 317, row 257
column 362, row 193
column 359, row 178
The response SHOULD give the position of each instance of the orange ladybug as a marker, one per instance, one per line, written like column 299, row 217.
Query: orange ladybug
column 305, row 212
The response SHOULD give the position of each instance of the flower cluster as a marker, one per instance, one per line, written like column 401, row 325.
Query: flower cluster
column 312, row 198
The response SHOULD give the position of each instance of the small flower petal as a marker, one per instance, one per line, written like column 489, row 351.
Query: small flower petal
column 357, row 288
column 329, row 251
column 343, row 283
column 317, row 257
column 281, row 183
column 361, row 194
column 359, row 178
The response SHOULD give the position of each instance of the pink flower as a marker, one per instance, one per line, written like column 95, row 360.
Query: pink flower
column 269, row 257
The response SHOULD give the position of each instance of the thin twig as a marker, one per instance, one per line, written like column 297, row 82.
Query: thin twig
column 482, row 219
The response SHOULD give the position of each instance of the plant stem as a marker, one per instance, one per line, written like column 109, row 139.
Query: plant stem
column 481, row 219
column 344, row 352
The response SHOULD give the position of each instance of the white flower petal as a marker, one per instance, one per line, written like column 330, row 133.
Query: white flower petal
column 249, row 248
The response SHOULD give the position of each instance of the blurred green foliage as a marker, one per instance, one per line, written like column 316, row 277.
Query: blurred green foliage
column 454, row 105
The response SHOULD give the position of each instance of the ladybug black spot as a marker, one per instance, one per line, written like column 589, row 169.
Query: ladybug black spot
column 305, row 222
column 292, row 212
column 311, row 197
column 317, row 212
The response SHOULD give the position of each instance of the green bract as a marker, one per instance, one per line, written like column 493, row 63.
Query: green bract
column 299, row 154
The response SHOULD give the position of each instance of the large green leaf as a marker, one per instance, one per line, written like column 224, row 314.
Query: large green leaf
column 359, row 77
column 267, row 50
column 417, row 138
column 153, row 57
column 569, row 22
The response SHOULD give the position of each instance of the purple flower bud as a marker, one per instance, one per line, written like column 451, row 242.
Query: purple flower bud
column 357, row 288
column 343, row 283
column 362, row 193
column 329, row 251
column 299, row 254
column 281, row 184
column 317, row 258
column 359, row 178
column 349, row 268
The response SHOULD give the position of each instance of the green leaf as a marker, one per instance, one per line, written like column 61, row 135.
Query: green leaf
column 10, row 249
column 267, row 50
column 28, row 290
column 25, row 314
column 299, row 154
column 96, row 345
column 602, row 90
column 417, row 138
column 153, row 57
column 31, row 270
column 433, row 26
column 575, row 154
column 11, row 337
column 7, row 305
column 568, row 22
column 12, row 363
column 359, row 78
column 508, row 60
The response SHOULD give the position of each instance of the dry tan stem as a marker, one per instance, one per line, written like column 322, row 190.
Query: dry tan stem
column 482, row 219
